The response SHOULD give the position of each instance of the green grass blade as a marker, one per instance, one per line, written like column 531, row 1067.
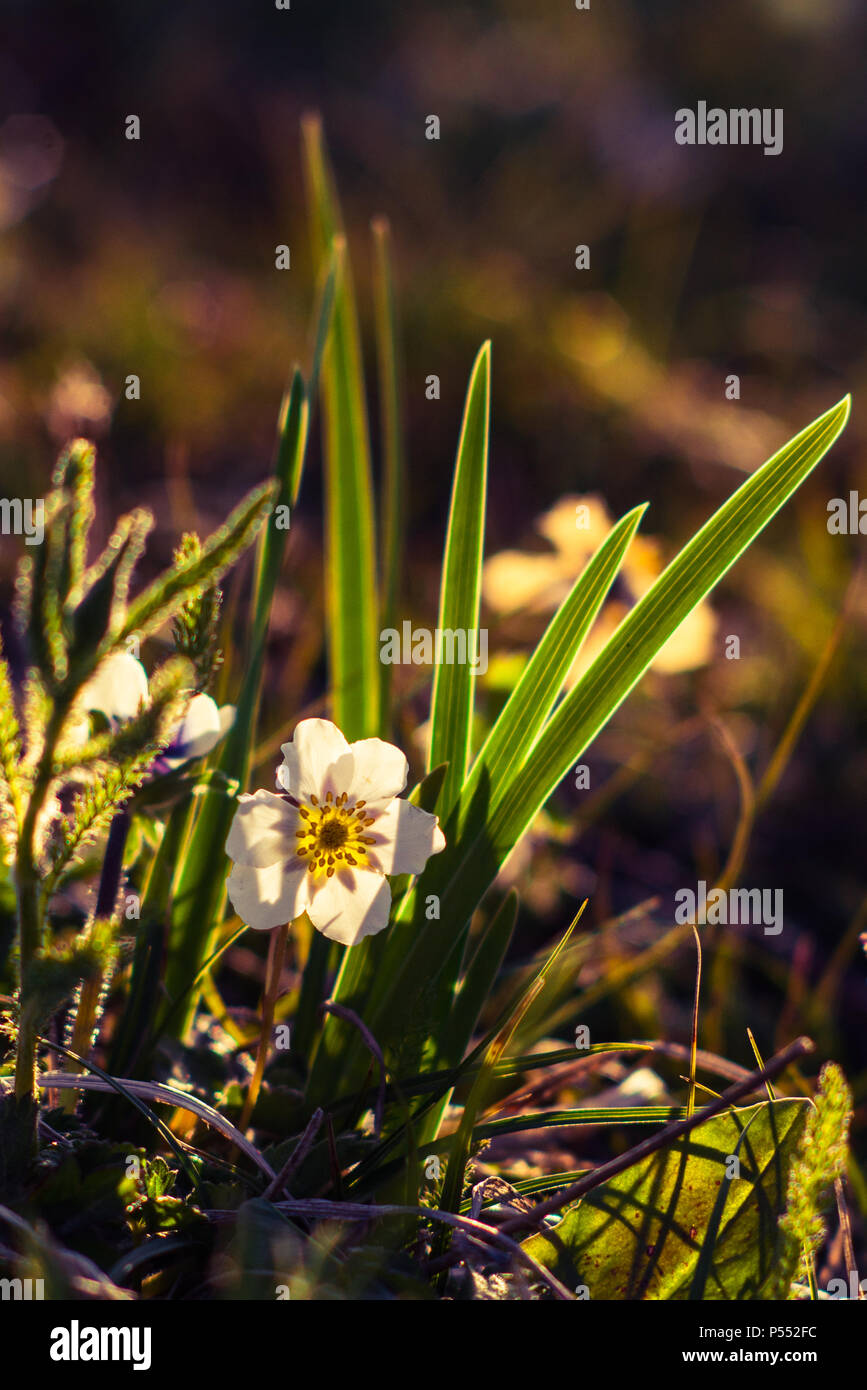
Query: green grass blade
column 482, row 971
column 508, row 744
column 687, row 580
column 586, row 709
column 350, row 553
column 452, row 703
column 609, row 1115
column 510, row 741
column 487, row 1051
column 393, row 447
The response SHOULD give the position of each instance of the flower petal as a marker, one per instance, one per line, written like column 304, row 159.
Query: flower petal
column 373, row 770
column 199, row 729
column 263, row 831
column 352, row 904
column 316, row 745
column 265, row 898
column 404, row 839
column 118, row 688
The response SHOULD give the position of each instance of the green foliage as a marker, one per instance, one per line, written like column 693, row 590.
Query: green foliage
column 180, row 585
column 11, row 779
column 192, row 888
column 820, row 1160
column 351, row 584
column 74, row 478
column 195, row 625
column 56, row 972
column 97, row 606
column 39, row 598
column 74, row 617
column 452, row 699
column 677, row 1224
column 642, row 1234
column 417, row 951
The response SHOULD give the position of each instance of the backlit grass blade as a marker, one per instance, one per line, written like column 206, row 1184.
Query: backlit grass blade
column 508, row 744
column 482, row 971
column 477, row 1100
column 510, row 741
column 646, row 628
column 452, row 704
column 555, row 1119
column 586, row 709
column 530, row 703
column 393, row 449
column 350, row 555
column 484, row 1052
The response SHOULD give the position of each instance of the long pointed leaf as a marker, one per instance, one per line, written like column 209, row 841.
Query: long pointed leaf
column 452, row 704
column 588, row 707
column 350, row 553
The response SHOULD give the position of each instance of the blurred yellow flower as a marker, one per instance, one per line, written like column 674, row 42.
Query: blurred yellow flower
column 521, row 581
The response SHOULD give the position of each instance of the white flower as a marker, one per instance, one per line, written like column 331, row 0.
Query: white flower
column 118, row 689
column 327, row 844
column 199, row 731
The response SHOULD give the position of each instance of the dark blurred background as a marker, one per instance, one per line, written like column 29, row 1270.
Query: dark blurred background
column 156, row 257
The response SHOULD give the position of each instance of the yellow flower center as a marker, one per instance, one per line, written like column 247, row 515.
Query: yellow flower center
column 333, row 834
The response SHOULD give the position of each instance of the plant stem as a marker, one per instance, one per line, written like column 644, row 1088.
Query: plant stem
column 29, row 914
column 276, row 956
column 91, row 990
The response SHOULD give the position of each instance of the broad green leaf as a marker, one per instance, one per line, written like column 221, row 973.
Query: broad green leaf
column 452, row 702
column 640, row 1235
column 352, row 608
